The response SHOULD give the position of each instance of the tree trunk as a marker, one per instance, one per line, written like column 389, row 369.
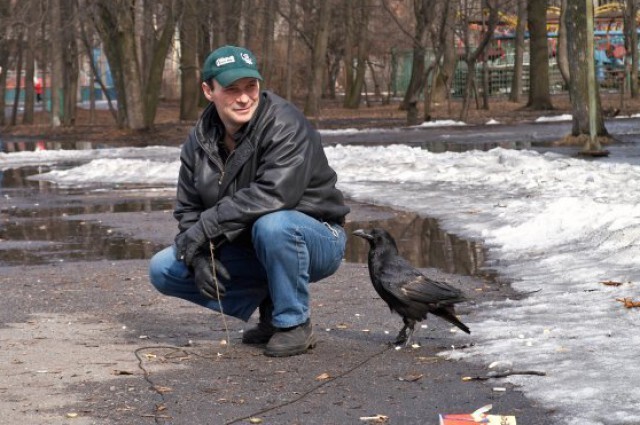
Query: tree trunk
column 152, row 81
column 19, row 51
column 291, row 32
column 354, row 86
column 190, row 88
column 312, row 104
column 268, row 64
column 57, row 66
column 575, row 21
column 71, row 66
column 138, row 93
column 631, row 44
column 349, row 44
column 516, row 82
column 443, row 77
column 4, row 55
column 562, row 55
column 422, row 13
column 472, row 55
column 27, row 117
column 539, row 94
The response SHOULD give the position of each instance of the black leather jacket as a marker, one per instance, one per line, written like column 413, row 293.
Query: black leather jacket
column 278, row 164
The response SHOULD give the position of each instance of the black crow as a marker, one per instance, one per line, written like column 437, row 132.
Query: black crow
column 407, row 291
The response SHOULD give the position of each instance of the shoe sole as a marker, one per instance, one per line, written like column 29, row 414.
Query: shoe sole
column 256, row 341
column 294, row 351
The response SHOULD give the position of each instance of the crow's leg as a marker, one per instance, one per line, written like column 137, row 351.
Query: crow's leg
column 408, row 323
column 402, row 335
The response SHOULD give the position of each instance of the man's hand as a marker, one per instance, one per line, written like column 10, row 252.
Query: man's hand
column 204, row 277
column 189, row 242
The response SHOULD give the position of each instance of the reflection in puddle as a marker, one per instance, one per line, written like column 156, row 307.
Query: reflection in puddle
column 51, row 234
column 422, row 242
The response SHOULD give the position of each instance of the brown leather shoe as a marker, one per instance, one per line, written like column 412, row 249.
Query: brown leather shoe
column 291, row 341
column 262, row 333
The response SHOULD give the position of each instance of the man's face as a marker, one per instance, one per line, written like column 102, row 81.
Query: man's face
column 235, row 103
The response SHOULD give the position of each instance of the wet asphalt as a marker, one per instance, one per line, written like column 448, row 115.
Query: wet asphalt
column 86, row 340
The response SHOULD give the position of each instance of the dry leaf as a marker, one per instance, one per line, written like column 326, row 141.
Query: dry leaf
column 162, row 390
column 255, row 420
column 323, row 376
column 72, row 415
column 629, row 303
column 412, row 377
column 611, row 283
column 122, row 372
column 377, row 419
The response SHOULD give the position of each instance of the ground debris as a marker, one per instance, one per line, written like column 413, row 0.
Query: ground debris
column 377, row 419
column 611, row 283
column 629, row 302
column 493, row 375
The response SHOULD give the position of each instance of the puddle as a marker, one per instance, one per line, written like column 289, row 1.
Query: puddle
column 31, row 234
column 51, row 234
column 422, row 242
column 42, row 223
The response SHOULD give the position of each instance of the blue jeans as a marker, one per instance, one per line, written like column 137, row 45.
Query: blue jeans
column 290, row 249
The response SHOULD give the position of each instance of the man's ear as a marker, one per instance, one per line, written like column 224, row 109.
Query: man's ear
column 207, row 90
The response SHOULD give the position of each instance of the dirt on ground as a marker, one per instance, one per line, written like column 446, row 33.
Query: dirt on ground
column 168, row 128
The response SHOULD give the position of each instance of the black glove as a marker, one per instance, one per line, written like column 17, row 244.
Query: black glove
column 189, row 242
column 205, row 280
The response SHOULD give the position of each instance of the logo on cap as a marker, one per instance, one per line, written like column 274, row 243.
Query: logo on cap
column 225, row 60
column 245, row 57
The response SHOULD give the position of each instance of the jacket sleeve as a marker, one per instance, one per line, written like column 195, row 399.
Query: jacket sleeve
column 188, row 202
column 286, row 155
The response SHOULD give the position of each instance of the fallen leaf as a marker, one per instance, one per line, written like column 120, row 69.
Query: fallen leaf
column 629, row 303
column 255, row 420
column 377, row 419
column 122, row 372
column 412, row 377
column 611, row 283
column 72, row 415
column 162, row 390
column 323, row 376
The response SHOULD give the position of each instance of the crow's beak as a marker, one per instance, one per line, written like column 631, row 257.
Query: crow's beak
column 362, row 234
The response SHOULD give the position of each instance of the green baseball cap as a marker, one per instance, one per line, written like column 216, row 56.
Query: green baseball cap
column 228, row 64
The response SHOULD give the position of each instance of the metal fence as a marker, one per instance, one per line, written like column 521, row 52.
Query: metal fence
column 500, row 73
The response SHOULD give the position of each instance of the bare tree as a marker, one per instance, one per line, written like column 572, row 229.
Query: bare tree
column 31, row 34
column 471, row 54
column 631, row 44
column 138, row 92
column 539, row 92
column 4, row 54
column 357, row 34
column 576, row 23
column 516, row 82
column 422, row 13
column 57, row 68
column 323, row 15
column 446, row 34
column 444, row 61
column 189, row 61
column 562, row 55
column 291, row 18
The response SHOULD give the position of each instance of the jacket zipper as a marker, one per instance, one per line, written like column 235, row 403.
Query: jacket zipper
column 224, row 168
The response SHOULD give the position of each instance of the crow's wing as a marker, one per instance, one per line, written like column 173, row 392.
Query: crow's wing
column 408, row 284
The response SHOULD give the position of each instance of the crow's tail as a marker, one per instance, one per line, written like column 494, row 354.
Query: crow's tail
column 448, row 314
